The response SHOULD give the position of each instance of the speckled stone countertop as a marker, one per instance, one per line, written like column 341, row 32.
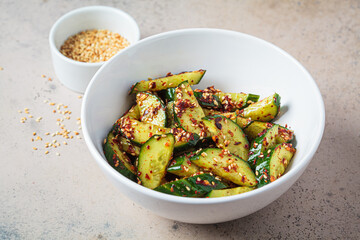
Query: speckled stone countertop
column 67, row 197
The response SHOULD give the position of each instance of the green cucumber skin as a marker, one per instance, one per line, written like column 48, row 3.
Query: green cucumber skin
column 215, row 103
column 183, row 146
column 182, row 166
column 114, row 159
column 191, row 186
column 263, row 169
column 158, row 84
column 257, row 147
column 168, row 94
column 265, row 110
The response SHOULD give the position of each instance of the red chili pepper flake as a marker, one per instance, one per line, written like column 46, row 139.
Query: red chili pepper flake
column 243, row 178
column 152, row 85
column 231, row 133
column 217, row 123
column 167, row 144
column 169, row 74
column 139, row 173
column 148, row 147
column 237, row 143
column 147, row 176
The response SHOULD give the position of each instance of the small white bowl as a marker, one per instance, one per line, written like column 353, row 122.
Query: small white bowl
column 77, row 75
column 234, row 62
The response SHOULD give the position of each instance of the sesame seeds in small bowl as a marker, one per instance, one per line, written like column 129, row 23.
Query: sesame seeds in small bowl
column 82, row 40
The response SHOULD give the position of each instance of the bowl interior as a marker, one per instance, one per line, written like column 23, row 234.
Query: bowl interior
column 234, row 62
column 95, row 17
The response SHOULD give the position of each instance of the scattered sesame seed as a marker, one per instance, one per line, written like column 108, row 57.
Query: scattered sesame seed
column 34, row 133
column 57, row 154
column 52, row 104
column 65, row 143
column 35, row 148
column 43, row 76
column 46, row 152
column 19, row 111
column 49, row 79
column 30, row 116
column 79, row 96
column 47, row 133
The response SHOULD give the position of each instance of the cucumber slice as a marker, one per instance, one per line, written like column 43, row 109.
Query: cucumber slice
column 151, row 108
column 256, row 128
column 154, row 157
column 226, row 165
column 170, row 80
column 127, row 146
column 117, row 159
column 139, row 132
column 182, row 166
column 264, row 111
column 133, row 112
column 229, row 192
column 208, row 100
column 261, row 144
column 227, row 135
column 274, row 164
column 194, row 186
column 187, row 111
column 233, row 101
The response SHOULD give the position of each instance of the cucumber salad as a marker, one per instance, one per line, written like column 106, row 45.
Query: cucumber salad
column 198, row 142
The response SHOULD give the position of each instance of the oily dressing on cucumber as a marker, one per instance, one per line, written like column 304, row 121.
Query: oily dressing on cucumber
column 202, row 143
column 227, row 135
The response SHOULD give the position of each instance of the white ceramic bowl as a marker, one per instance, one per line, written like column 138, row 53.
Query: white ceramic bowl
column 77, row 75
column 234, row 62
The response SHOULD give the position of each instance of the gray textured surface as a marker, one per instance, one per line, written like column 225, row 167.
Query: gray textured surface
column 67, row 197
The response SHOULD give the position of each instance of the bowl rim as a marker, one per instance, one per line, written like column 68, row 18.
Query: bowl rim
column 201, row 201
column 76, row 11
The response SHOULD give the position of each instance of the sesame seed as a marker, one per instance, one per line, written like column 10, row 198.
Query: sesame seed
column 46, row 152
column 35, row 148
column 57, row 154
column 34, row 133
